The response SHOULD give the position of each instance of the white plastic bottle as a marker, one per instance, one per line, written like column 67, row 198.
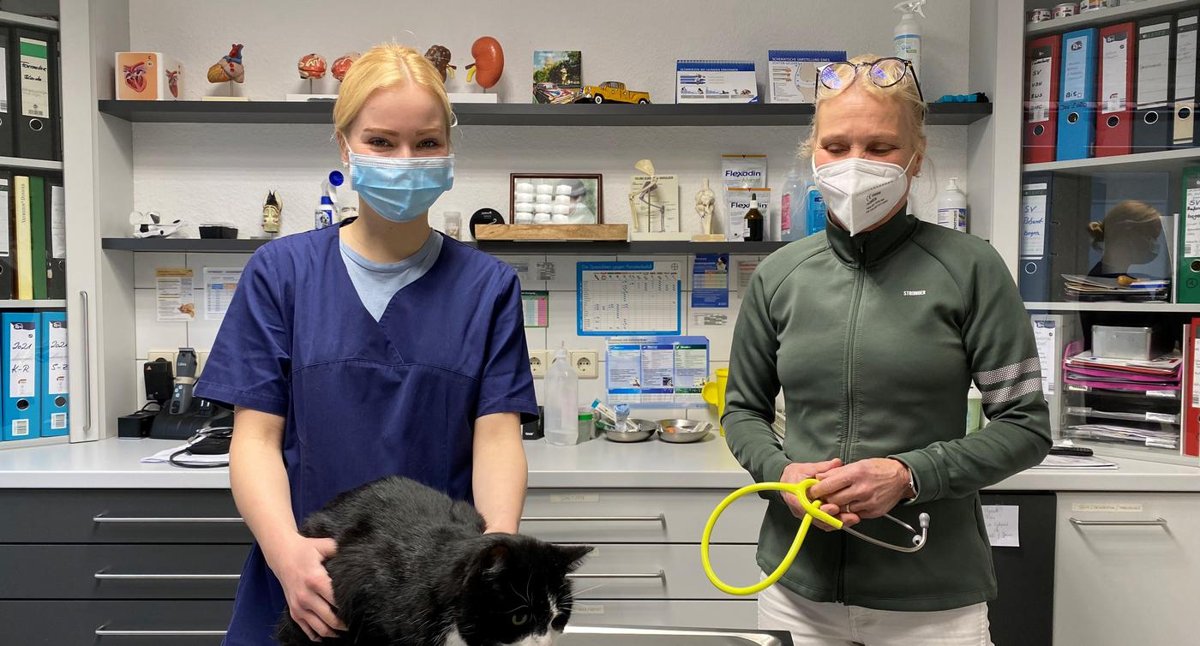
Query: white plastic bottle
column 952, row 206
column 791, row 208
column 561, row 425
column 907, row 35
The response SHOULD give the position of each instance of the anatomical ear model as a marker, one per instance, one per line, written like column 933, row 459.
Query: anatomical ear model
column 489, row 62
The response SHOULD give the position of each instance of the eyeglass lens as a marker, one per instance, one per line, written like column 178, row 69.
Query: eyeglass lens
column 884, row 72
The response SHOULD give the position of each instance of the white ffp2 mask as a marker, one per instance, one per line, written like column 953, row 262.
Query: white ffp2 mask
column 861, row 192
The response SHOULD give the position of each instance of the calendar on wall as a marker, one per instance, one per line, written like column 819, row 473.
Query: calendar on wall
column 638, row 298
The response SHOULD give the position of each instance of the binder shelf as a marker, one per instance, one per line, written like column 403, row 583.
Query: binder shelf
column 212, row 245
column 1157, row 161
column 12, row 304
column 1126, row 11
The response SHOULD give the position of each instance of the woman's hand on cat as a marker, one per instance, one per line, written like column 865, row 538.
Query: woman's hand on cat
column 307, row 586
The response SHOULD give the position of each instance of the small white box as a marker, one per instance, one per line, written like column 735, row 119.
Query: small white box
column 147, row 76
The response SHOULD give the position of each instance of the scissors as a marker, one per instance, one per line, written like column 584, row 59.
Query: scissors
column 812, row 509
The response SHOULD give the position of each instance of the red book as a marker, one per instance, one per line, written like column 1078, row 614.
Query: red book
column 1191, row 394
column 1041, row 98
column 1114, row 114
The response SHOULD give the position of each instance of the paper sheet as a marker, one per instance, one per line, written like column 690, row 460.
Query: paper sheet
column 219, row 285
column 174, row 296
column 1002, row 525
column 640, row 298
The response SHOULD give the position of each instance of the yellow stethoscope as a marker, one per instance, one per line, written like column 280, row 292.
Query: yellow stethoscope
column 813, row 510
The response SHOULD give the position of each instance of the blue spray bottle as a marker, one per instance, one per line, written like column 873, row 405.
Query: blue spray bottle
column 326, row 214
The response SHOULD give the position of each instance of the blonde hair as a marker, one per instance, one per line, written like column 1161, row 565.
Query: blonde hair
column 386, row 66
column 1125, row 217
column 904, row 94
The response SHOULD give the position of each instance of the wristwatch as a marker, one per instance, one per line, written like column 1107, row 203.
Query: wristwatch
column 912, row 484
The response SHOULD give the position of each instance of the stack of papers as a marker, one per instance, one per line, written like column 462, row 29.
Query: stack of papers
column 1080, row 287
column 1124, row 434
column 1087, row 371
column 1075, row 462
column 187, row 458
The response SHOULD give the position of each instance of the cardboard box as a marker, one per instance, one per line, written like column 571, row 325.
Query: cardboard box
column 148, row 76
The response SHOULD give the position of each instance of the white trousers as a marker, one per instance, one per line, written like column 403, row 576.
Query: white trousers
column 813, row 623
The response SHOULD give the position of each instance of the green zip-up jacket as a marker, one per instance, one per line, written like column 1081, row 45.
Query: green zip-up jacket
column 875, row 340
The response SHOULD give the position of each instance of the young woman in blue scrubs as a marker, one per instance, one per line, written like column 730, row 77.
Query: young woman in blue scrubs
column 373, row 348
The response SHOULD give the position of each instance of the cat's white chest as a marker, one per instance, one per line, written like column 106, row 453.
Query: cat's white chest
column 454, row 639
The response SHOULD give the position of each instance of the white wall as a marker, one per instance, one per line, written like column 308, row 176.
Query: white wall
column 221, row 173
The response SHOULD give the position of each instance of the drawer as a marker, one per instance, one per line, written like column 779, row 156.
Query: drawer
column 162, row 623
column 734, row 613
column 101, row 571
column 120, row 516
column 649, row 571
column 638, row 516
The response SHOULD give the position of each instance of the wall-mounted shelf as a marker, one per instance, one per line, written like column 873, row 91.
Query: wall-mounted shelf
column 1116, row 306
column 14, row 304
column 10, row 18
column 197, row 245
column 515, row 114
column 1126, row 11
column 32, row 164
column 1156, row 161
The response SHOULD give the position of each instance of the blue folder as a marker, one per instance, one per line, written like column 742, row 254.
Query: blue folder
column 52, row 373
column 1077, row 95
column 22, row 419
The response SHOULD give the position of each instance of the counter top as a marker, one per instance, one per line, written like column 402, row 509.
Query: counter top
column 114, row 464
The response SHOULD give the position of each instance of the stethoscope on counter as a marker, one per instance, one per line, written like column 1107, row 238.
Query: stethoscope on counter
column 813, row 510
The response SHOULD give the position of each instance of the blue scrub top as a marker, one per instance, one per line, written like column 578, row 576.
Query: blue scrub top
column 365, row 399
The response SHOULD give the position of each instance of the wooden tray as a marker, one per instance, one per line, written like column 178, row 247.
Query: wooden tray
column 553, row 232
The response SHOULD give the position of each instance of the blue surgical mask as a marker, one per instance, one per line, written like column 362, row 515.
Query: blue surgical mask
column 400, row 189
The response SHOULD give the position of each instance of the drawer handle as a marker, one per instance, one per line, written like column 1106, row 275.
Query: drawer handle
column 661, row 518
column 101, row 518
column 105, row 632
column 1157, row 522
column 661, row 575
column 116, row 576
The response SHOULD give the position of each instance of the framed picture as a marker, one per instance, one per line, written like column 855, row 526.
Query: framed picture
column 555, row 198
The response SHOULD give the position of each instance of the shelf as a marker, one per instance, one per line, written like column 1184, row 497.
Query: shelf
column 34, row 164
column 10, row 18
column 14, row 304
column 197, row 245
column 1127, row 11
column 1156, row 161
column 1116, row 306
column 37, row 441
column 515, row 114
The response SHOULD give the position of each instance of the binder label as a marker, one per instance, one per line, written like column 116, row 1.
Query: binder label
column 1185, row 58
column 58, row 222
column 5, row 200
column 20, row 427
column 1039, row 85
column 1195, row 373
column 22, row 357
column 35, row 78
column 1191, row 214
column 1112, row 83
column 1153, row 64
column 3, row 78
column 1075, row 68
column 1033, row 220
column 56, row 361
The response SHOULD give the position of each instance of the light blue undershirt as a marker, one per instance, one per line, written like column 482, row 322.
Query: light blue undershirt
column 377, row 282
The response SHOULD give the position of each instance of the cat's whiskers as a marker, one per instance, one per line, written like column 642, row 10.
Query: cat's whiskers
column 572, row 594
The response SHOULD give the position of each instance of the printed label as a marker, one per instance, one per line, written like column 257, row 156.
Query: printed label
column 35, row 79
column 571, row 498
column 1118, row 508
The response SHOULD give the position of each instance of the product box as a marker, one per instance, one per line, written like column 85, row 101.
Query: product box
column 147, row 76
column 704, row 81
column 794, row 73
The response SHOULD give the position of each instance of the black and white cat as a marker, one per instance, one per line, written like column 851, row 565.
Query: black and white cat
column 414, row 568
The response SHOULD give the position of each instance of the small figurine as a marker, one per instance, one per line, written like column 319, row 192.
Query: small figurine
column 342, row 65
column 272, row 213
column 489, row 62
column 151, row 225
column 312, row 67
column 613, row 91
column 229, row 68
column 642, row 196
column 706, row 202
column 439, row 55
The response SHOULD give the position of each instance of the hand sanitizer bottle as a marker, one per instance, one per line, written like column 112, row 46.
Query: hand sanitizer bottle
column 562, row 401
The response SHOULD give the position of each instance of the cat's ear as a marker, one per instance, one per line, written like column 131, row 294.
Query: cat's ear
column 572, row 555
column 494, row 558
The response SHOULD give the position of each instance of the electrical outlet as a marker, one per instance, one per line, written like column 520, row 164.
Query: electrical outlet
column 587, row 363
column 201, row 359
column 539, row 360
column 169, row 355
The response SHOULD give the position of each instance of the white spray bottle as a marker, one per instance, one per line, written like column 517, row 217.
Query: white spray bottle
column 326, row 214
column 907, row 35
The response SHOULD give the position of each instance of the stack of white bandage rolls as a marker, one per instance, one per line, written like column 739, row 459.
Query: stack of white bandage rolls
column 541, row 203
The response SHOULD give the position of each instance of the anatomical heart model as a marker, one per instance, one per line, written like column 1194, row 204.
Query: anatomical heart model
column 229, row 68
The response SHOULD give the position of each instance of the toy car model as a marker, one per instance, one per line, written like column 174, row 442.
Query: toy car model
column 613, row 91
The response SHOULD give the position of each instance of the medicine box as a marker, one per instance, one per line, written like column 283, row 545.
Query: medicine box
column 147, row 76
column 1121, row 342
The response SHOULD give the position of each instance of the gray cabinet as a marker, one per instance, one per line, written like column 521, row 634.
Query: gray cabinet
column 119, row 566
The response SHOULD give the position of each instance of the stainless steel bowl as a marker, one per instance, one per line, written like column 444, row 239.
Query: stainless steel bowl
column 645, row 430
column 681, row 431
